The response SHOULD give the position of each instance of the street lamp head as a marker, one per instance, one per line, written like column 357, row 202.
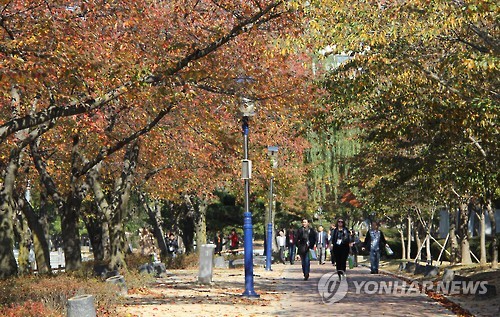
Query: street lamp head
column 247, row 107
column 272, row 152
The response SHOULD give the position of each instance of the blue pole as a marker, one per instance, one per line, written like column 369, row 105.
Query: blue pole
column 269, row 243
column 247, row 224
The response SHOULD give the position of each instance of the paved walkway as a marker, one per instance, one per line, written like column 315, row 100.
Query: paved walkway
column 302, row 295
column 283, row 292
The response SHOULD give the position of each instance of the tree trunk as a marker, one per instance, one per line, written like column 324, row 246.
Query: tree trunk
column 8, row 264
column 39, row 228
column 494, row 238
column 465, row 257
column 482, row 237
column 403, row 247
column 408, row 249
column 70, row 233
column 201, row 223
column 428, row 248
column 21, row 226
column 120, row 207
column 454, row 249
column 187, row 226
column 418, row 257
column 94, row 222
column 100, row 223
column 117, row 236
column 154, row 212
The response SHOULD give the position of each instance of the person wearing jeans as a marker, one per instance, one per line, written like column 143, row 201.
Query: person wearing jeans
column 375, row 242
column 306, row 240
column 291, row 244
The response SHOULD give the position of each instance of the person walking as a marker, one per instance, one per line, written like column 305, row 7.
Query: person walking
column 234, row 241
column 321, row 244
column 291, row 241
column 281, row 242
column 172, row 245
column 355, row 242
column 340, row 241
column 306, row 239
column 374, row 242
column 219, row 242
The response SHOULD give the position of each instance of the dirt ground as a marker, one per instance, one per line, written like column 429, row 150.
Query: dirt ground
column 180, row 294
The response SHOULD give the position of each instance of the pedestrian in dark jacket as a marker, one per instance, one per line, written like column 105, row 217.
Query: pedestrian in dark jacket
column 306, row 239
column 374, row 242
column 291, row 242
column 219, row 242
column 340, row 245
column 172, row 245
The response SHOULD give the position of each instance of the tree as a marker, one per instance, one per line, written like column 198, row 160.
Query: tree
column 419, row 91
column 101, row 70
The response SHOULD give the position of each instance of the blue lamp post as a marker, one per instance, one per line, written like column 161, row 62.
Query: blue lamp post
column 247, row 108
column 272, row 152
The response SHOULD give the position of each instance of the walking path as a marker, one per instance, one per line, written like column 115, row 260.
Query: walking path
column 362, row 299
column 283, row 292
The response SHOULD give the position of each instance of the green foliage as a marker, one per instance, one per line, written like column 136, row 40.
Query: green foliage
column 420, row 91
column 224, row 213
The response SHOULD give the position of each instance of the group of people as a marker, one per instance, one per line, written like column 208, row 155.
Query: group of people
column 341, row 242
column 232, row 240
column 148, row 245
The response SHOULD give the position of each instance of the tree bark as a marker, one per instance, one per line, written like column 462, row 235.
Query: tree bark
column 8, row 264
column 39, row 229
column 454, row 246
column 100, row 224
column 494, row 238
column 465, row 257
column 408, row 249
column 154, row 212
column 418, row 257
column 482, row 236
column 403, row 246
column 428, row 247
column 23, row 233
column 201, row 223
column 95, row 230
column 120, row 206
column 70, row 233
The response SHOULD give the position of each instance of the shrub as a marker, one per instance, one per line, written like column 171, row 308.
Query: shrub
column 28, row 309
column 53, row 292
column 183, row 261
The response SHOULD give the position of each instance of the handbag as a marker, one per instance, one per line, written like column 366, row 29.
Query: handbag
column 350, row 260
column 388, row 250
column 312, row 255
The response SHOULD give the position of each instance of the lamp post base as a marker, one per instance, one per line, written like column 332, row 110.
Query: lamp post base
column 269, row 246
column 250, row 294
column 248, row 244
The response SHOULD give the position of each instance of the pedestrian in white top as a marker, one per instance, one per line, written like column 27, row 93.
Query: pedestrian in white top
column 281, row 241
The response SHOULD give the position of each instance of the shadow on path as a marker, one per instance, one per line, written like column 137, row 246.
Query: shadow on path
column 360, row 300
